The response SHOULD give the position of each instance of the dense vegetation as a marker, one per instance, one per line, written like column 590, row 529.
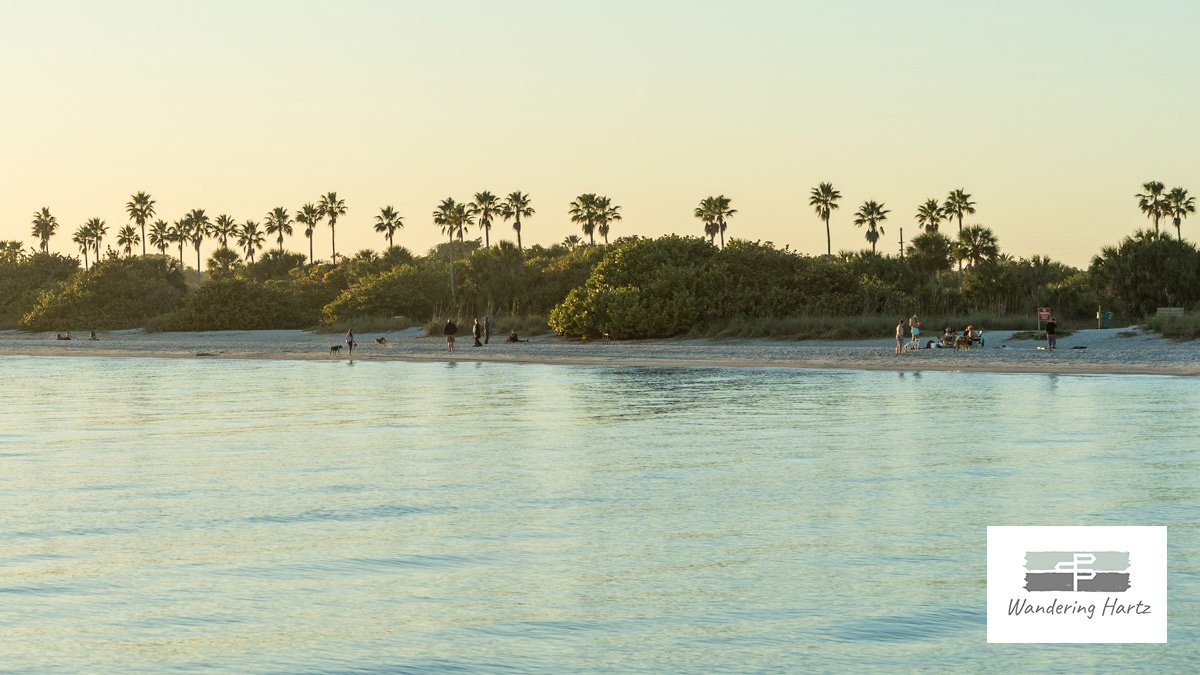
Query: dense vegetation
column 633, row 288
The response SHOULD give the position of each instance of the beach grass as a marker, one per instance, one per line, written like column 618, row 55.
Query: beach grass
column 368, row 324
column 850, row 327
column 1185, row 327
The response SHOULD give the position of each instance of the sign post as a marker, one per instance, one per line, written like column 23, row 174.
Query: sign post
column 1043, row 315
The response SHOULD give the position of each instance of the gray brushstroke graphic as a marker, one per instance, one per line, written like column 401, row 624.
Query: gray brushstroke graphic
column 1103, row 582
column 1049, row 561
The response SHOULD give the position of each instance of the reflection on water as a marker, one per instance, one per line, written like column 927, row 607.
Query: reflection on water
column 283, row 516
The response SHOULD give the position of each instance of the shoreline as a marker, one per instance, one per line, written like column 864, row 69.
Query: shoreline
column 903, row 363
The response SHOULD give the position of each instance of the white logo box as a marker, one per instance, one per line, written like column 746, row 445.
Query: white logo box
column 1138, row 614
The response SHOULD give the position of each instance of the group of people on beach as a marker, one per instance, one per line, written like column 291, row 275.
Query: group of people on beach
column 948, row 338
column 482, row 332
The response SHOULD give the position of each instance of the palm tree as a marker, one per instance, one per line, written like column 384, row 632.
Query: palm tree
column 515, row 207
column 1151, row 202
column 823, row 199
column 250, row 238
column 140, row 208
column 222, row 262
column 1178, row 205
column 332, row 208
column 160, row 236
column 198, row 229
column 223, row 228
column 387, row 222
column 705, row 211
column 445, row 216
column 83, row 241
column 127, row 238
column 44, row 227
column 279, row 223
column 572, row 241
column 308, row 216
column 606, row 212
column 96, row 229
column 871, row 214
column 485, row 207
column 930, row 215
column 178, row 233
column 958, row 204
column 583, row 212
column 723, row 214
column 976, row 245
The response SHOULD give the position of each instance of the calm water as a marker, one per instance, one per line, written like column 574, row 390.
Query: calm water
column 268, row 516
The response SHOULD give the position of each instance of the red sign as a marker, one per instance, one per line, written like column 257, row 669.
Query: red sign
column 1043, row 313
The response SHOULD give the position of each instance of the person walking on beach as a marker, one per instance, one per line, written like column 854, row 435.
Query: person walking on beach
column 450, row 329
column 487, row 329
column 1051, row 333
column 350, row 341
column 900, row 336
column 477, row 332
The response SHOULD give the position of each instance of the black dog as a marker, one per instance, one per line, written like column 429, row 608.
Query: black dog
column 381, row 341
column 336, row 349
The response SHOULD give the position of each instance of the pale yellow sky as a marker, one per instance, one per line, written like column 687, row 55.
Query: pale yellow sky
column 1050, row 114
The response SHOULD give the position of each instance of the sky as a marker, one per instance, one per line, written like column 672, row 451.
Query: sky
column 1051, row 114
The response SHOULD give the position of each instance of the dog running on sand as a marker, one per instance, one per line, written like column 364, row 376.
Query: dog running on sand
column 336, row 349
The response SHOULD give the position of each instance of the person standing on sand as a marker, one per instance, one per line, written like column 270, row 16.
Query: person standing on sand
column 900, row 336
column 1051, row 333
column 487, row 329
column 350, row 341
column 449, row 331
column 914, row 325
column 477, row 332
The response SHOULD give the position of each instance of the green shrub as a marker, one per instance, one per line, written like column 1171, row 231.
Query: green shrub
column 116, row 293
column 238, row 304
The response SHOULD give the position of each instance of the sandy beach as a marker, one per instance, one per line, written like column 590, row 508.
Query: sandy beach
column 1115, row 351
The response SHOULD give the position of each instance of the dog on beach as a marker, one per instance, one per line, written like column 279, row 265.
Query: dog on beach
column 336, row 349
column 382, row 342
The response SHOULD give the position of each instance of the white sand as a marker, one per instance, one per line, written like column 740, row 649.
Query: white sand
column 1107, row 351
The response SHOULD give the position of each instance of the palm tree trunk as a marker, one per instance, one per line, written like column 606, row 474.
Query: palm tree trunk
column 197, row 258
column 450, row 251
column 828, row 239
column 722, row 239
column 960, row 272
column 487, row 241
column 143, row 240
column 391, row 244
column 333, row 240
column 311, row 260
column 519, row 248
column 85, row 261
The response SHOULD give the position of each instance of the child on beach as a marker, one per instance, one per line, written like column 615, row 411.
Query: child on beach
column 477, row 332
column 900, row 336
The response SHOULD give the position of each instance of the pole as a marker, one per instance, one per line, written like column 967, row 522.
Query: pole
column 902, row 242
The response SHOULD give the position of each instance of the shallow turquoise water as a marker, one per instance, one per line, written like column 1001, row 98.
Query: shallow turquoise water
column 264, row 516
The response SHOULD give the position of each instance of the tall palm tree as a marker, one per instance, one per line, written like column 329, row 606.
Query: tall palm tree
column 485, row 207
column 976, row 245
column 179, row 232
column 250, row 238
column 224, row 227
column 823, row 199
column 1178, row 205
column 606, row 213
column 723, row 214
column 160, row 236
column 515, row 207
column 583, row 213
column 871, row 214
column 930, row 215
column 309, row 216
column 958, row 204
column 140, row 208
column 127, row 238
column 1151, row 202
column 44, row 227
column 387, row 222
column 445, row 216
column 96, row 229
column 332, row 208
column 705, row 211
column 463, row 217
column 83, row 240
column 279, row 223
column 198, row 229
